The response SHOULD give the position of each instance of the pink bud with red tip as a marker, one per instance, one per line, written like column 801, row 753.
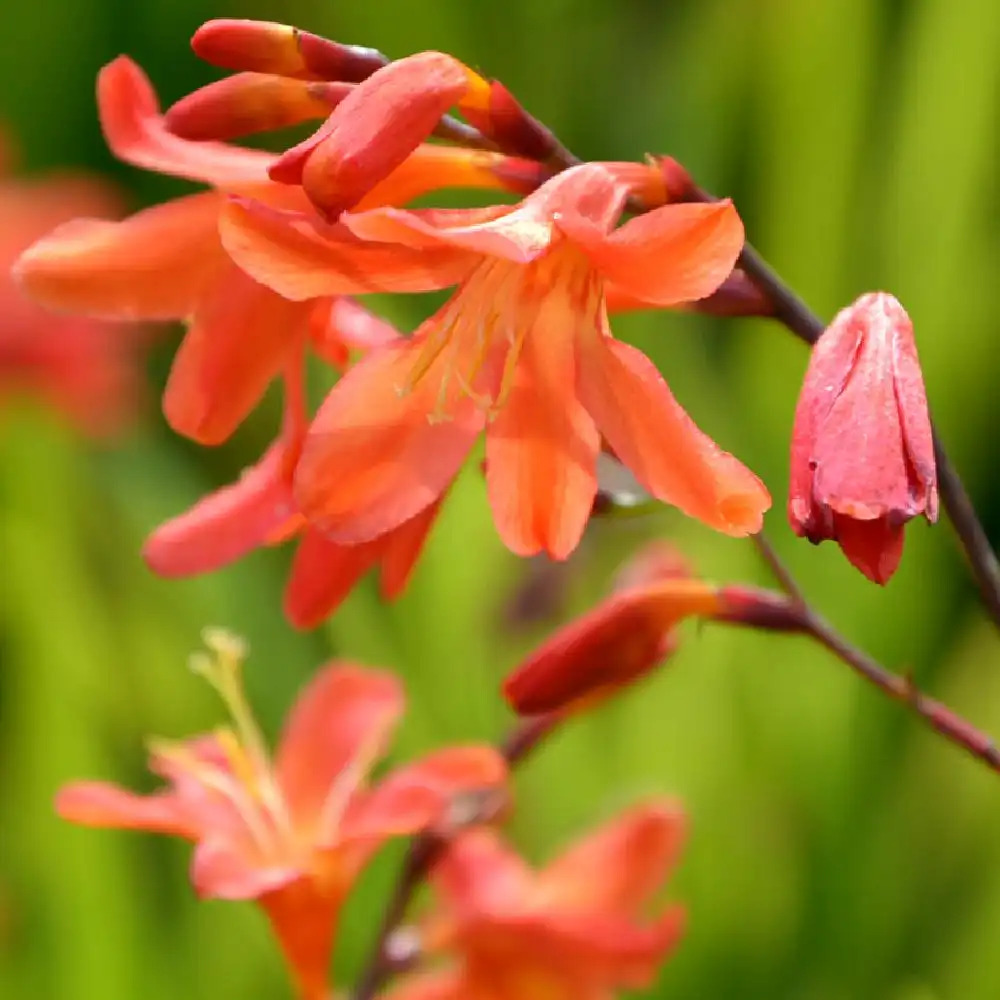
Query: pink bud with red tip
column 862, row 461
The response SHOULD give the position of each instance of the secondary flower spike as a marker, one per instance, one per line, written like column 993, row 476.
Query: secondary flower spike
column 522, row 350
column 295, row 831
column 575, row 929
column 862, row 461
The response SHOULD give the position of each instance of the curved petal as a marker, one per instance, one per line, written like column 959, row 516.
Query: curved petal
column 420, row 795
column 221, row 869
column 226, row 524
column 375, row 456
column 651, row 434
column 340, row 325
column 445, row 985
column 301, row 259
column 479, row 874
column 618, row 868
column 873, row 547
column 136, row 133
column 153, row 265
column 323, row 573
column 335, row 732
column 542, row 446
column 239, row 338
column 674, row 254
column 400, row 549
column 96, row 803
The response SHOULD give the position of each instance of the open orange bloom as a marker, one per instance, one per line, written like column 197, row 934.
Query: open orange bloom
column 259, row 509
column 523, row 350
column 80, row 367
column 569, row 932
column 167, row 262
column 293, row 833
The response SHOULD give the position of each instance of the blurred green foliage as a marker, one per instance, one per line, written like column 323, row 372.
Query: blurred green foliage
column 838, row 850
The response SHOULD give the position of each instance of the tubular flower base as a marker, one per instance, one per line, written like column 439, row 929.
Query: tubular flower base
column 81, row 368
column 259, row 509
column 523, row 351
column 167, row 263
column 567, row 932
column 862, row 460
column 295, row 832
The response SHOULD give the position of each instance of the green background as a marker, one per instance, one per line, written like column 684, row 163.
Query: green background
column 838, row 849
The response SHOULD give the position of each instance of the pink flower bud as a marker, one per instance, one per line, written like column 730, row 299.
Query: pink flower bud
column 862, row 461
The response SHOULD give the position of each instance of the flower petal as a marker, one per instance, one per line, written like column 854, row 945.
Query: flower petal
column 96, row 803
column 400, row 549
column 239, row 338
column 618, row 868
column 226, row 524
column 220, row 869
column 373, row 459
column 136, row 133
column 674, row 254
column 420, row 795
column 323, row 573
column 336, row 730
column 874, row 547
column 302, row 259
column 479, row 874
column 651, row 434
column 153, row 265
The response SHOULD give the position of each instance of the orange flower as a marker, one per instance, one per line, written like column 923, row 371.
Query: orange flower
column 258, row 509
column 84, row 369
column 167, row 262
column 295, row 832
column 568, row 932
column 523, row 350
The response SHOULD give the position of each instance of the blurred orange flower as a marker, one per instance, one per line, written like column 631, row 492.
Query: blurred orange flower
column 84, row 369
column 292, row 833
column 571, row 931
column 523, row 350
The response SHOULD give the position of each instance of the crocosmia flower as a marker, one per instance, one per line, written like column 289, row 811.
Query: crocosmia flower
column 522, row 350
column 573, row 930
column 167, row 262
column 291, row 832
column 862, row 460
column 82, row 368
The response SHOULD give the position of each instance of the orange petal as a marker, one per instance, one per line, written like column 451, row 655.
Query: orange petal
column 136, row 132
column 651, row 434
column 620, row 867
column 674, row 254
column 270, row 47
column 373, row 459
column 223, row 869
column 447, row 985
column 335, row 732
column 400, row 549
column 419, row 795
column 323, row 573
column 541, row 449
column 247, row 103
column 349, row 325
column 300, row 259
column 153, row 265
column 226, row 524
column 873, row 547
column 618, row 641
column 239, row 338
column 96, row 803
column 478, row 873
column 374, row 129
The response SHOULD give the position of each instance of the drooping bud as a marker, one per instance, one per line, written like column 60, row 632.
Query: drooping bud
column 862, row 457
column 247, row 103
column 614, row 644
column 269, row 47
